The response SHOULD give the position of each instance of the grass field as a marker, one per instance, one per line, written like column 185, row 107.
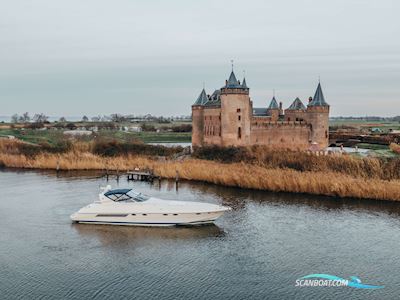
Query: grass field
column 51, row 136
column 384, row 126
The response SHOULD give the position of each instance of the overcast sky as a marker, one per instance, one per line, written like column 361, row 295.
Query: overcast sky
column 75, row 57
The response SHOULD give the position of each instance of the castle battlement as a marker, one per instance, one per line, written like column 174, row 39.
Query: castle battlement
column 256, row 124
column 227, row 118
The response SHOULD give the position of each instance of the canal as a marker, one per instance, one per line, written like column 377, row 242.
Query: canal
column 256, row 251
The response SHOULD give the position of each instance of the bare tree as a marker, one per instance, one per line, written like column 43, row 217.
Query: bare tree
column 117, row 118
column 40, row 118
column 85, row 119
column 62, row 120
column 14, row 118
column 25, row 117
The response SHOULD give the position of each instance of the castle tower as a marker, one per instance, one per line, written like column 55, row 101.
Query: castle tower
column 198, row 119
column 318, row 116
column 236, row 111
column 273, row 109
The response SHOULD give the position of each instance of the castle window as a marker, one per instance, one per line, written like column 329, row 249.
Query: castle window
column 239, row 118
column 238, row 110
column 326, row 134
column 239, row 133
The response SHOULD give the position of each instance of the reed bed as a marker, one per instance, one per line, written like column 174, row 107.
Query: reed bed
column 395, row 148
column 236, row 174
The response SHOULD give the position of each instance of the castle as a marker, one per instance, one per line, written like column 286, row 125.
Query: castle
column 228, row 118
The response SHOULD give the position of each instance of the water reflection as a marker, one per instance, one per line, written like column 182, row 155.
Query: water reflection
column 237, row 197
column 119, row 236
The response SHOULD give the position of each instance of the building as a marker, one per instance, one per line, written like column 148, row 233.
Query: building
column 227, row 118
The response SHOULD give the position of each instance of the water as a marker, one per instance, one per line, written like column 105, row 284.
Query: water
column 172, row 144
column 257, row 251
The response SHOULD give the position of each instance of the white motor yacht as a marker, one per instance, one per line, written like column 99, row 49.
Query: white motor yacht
column 128, row 207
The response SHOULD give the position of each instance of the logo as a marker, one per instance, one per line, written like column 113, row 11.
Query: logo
column 333, row 281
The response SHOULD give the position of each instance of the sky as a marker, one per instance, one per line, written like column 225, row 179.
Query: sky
column 90, row 57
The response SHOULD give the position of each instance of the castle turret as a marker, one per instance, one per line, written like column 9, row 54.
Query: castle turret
column 273, row 109
column 244, row 84
column 198, row 119
column 236, row 112
column 318, row 117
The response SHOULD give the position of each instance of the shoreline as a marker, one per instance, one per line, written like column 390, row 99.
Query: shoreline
column 240, row 175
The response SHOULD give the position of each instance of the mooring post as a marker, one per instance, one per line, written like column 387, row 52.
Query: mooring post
column 176, row 179
column 58, row 166
column 117, row 174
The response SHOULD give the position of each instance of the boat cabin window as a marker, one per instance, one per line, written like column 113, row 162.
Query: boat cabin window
column 126, row 195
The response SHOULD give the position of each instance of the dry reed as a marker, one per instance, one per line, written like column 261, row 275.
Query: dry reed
column 395, row 148
column 244, row 175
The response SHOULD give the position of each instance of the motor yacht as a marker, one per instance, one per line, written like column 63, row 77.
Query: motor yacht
column 128, row 207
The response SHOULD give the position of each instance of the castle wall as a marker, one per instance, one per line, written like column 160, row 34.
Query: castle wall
column 281, row 134
column 197, row 126
column 212, row 125
column 295, row 115
column 236, row 111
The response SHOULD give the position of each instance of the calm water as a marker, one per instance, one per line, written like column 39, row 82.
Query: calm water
column 257, row 251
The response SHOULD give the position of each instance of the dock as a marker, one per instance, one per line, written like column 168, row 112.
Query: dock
column 140, row 175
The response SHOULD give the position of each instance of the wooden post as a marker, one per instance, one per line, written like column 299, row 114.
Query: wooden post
column 176, row 179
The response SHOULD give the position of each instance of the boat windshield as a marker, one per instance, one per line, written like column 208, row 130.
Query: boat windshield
column 125, row 195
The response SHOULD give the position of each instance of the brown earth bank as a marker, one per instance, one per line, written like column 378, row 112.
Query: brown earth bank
column 254, row 168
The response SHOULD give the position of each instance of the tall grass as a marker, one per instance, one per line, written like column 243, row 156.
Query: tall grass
column 369, row 167
column 272, row 174
column 395, row 148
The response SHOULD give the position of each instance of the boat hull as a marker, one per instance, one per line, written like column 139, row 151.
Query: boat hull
column 148, row 220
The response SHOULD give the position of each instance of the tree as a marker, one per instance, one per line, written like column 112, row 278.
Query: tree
column 62, row 120
column 85, row 119
column 117, row 118
column 14, row 118
column 40, row 118
column 25, row 117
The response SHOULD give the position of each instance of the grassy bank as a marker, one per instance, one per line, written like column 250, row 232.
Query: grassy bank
column 258, row 169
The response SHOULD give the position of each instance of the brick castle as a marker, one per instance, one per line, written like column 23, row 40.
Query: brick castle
column 228, row 118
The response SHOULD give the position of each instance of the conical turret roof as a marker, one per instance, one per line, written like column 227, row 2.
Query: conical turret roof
column 244, row 84
column 318, row 99
column 232, row 81
column 273, row 104
column 202, row 99
column 297, row 105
